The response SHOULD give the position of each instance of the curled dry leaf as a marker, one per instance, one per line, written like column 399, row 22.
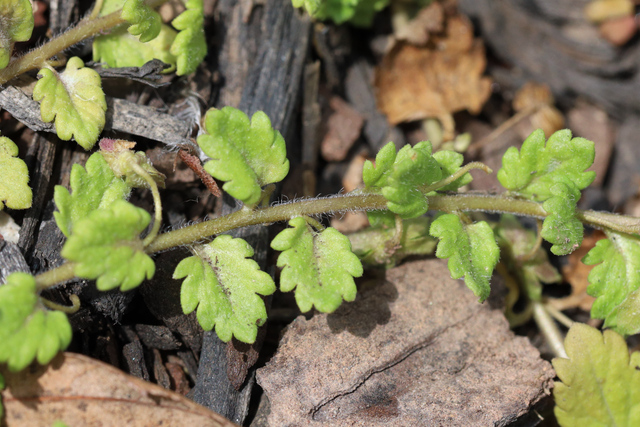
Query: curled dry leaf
column 415, row 83
column 537, row 100
column 82, row 392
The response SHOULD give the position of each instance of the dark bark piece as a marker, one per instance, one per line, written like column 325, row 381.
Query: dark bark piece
column 568, row 54
column 60, row 15
column 133, row 355
column 121, row 116
column 159, row 371
column 149, row 74
column 11, row 260
column 159, row 337
column 272, row 85
column 360, row 93
column 416, row 349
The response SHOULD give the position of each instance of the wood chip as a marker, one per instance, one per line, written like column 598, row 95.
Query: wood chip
column 343, row 128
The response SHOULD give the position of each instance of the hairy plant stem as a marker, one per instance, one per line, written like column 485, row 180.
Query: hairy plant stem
column 355, row 201
column 85, row 29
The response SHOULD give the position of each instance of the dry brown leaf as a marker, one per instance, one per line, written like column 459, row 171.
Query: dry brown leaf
column 343, row 128
column 414, row 83
column 415, row 349
column 81, row 391
column 417, row 30
column 537, row 99
column 576, row 273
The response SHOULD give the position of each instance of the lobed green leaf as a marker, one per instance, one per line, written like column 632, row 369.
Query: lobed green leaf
column 319, row 266
column 106, row 246
column 121, row 49
column 75, row 100
column 450, row 162
column 28, row 331
column 246, row 154
column 146, row 21
column 189, row 46
column 16, row 25
column 95, row 187
column 472, row 251
column 615, row 282
column 14, row 177
column 401, row 175
column 537, row 168
column 599, row 382
column 561, row 227
column 225, row 286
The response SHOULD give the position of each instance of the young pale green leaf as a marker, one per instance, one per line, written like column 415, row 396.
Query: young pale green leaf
column 14, row 177
column 375, row 245
column 27, row 330
column 246, row 154
column 472, row 251
column 450, row 163
column 561, row 227
column 92, row 188
column 401, row 175
column 600, row 382
column 121, row 49
column 74, row 99
column 224, row 285
column 311, row 6
column 146, row 21
column 320, row 266
column 615, row 282
column 190, row 46
column 537, row 168
column 106, row 246
column 16, row 25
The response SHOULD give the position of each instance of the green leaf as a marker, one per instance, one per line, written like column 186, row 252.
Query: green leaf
column 600, row 382
column 553, row 174
column 28, row 331
column 472, row 251
column 246, row 154
column 358, row 12
column 16, row 25
column 146, row 22
column 106, row 246
column 14, row 177
column 225, row 286
column 190, row 46
column 121, row 49
column 536, row 169
column 92, row 188
column 74, row 99
column 561, row 227
column 450, row 163
column 401, row 176
column 615, row 282
column 320, row 266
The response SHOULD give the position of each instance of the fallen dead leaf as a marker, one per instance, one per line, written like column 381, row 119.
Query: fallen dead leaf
column 537, row 99
column 414, row 83
column 81, row 391
column 576, row 273
column 415, row 349
column 417, row 30
column 343, row 128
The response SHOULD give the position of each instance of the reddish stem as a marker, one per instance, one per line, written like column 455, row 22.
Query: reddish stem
column 194, row 164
